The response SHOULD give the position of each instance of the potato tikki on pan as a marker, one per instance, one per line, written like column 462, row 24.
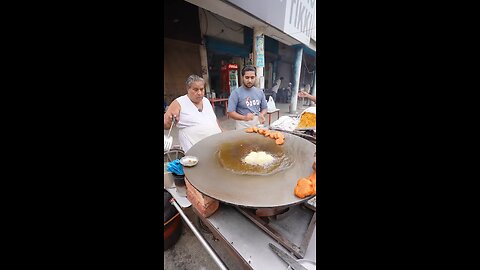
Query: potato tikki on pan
column 306, row 186
column 276, row 135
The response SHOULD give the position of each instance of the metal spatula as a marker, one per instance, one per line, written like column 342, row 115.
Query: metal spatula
column 168, row 140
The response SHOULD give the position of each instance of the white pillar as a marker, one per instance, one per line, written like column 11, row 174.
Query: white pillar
column 297, row 68
column 203, row 52
column 260, row 51
column 204, row 63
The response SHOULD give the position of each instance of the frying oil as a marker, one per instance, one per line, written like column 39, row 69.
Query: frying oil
column 232, row 156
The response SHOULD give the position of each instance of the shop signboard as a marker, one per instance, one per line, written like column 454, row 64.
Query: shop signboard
column 297, row 18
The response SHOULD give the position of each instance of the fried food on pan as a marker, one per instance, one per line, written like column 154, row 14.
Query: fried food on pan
column 313, row 179
column 276, row 135
column 304, row 188
column 279, row 135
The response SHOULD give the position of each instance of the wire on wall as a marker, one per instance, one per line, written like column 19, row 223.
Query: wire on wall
column 236, row 30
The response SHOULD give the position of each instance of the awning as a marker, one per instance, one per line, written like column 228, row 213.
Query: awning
column 225, row 47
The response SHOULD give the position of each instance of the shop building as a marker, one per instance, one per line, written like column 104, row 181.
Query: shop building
column 201, row 36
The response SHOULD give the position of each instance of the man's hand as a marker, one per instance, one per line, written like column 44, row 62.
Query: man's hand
column 249, row 117
column 168, row 118
column 172, row 111
column 303, row 94
column 261, row 118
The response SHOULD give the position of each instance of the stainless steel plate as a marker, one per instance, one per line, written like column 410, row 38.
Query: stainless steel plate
column 189, row 161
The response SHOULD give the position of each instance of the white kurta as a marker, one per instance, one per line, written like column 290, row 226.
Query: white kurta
column 194, row 125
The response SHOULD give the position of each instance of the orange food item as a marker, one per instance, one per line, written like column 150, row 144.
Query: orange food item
column 276, row 135
column 307, row 120
column 279, row 135
column 304, row 188
column 313, row 179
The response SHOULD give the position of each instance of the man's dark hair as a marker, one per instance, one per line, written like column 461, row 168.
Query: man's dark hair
column 249, row 68
column 281, row 78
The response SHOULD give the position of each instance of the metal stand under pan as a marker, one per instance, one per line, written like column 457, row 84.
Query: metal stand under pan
column 283, row 225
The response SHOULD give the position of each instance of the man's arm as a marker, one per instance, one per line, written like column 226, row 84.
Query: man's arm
column 236, row 116
column 173, row 110
column 312, row 98
column 232, row 107
column 307, row 95
column 263, row 109
column 261, row 116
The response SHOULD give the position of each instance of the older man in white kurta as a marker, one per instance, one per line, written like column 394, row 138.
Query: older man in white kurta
column 194, row 115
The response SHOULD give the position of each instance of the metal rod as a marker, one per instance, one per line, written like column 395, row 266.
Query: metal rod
column 199, row 236
column 173, row 122
column 273, row 233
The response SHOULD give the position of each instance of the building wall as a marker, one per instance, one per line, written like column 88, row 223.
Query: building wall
column 285, row 71
column 180, row 21
column 308, row 66
column 285, row 64
column 181, row 59
column 294, row 17
column 286, row 53
column 217, row 28
column 214, row 25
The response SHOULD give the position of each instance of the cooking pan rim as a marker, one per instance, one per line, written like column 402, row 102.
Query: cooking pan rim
column 235, row 200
